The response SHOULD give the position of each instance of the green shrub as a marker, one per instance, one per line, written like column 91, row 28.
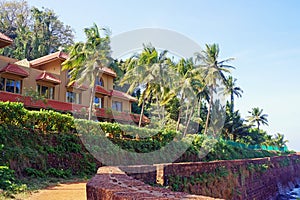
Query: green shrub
column 12, row 113
column 8, row 180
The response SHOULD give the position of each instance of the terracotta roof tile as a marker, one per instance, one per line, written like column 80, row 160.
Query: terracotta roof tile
column 54, row 56
column 109, row 71
column 14, row 69
column 48, row 77
column 116, row 93
column 101, row 90
column 4, row 40
column 4, row 37
column 77, row 86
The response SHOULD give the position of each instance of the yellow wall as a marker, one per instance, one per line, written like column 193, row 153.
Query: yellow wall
column 126, row 105
column 108, row 81
column 52, row 67
column 60, row 90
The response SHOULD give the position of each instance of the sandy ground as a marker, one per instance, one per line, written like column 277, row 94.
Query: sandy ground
column 68, row 191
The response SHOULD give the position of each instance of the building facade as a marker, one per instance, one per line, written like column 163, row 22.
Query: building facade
column 45, row 77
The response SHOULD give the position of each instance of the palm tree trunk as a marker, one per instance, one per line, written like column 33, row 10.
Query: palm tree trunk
column 95, row 74
column 189, row 120
column 179, row 113
column 92, row 101
column 199, row 112
column 163, row 114
column 186, row 114
column 142, row 113
column 232, row 102
column 158, row 107
column 208, row 113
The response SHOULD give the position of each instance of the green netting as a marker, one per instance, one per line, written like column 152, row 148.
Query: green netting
column 263, row 147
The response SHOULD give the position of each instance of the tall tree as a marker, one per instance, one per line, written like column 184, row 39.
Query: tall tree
column 87, row 59
column 232, row 90
column 143, row 70
column 183, row 68
column 234, row 126
column 257, row 117
column 36, row 32
column 50, row 34
column 213, row 71
column 190, row 88
column 280, row 141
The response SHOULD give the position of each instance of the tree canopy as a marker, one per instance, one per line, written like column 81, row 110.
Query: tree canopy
column 36, row 32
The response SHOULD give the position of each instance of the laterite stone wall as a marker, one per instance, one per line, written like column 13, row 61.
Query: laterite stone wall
column 263, row 178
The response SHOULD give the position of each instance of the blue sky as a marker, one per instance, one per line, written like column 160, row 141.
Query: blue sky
column 263, row 36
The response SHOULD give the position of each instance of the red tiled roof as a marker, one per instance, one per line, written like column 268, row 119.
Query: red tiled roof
column 4, row 37
column 48, row 77
column 4, row 40
column 14, row 69
column 101, row 90
column 122, row 95
column 109, row 71
column 63, row 56
column 45, row 59
column 77, row 86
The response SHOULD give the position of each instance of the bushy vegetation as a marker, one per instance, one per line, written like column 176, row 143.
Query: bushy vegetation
column 45, row 144
column 8, row 181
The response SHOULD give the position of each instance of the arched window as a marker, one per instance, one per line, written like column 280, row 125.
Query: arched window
column 98, row 102
column 100, row 82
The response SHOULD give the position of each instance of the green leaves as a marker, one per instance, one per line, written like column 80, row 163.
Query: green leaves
column 257, row 117
column 36, row 32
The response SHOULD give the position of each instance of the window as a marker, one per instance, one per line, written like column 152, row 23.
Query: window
column 46, row 91
column 68, row 74
column 117, row 106
column 100, row 82
column 73, row 97
column 2, row 83
column 98, row 102
column 10, row 85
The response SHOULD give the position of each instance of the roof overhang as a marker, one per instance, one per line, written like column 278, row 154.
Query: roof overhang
column 5, row 40
column 14, row 69
column 47, row 77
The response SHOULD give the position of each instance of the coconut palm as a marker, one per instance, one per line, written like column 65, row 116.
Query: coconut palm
column 234, row 126
column 257, row 117
column 183, row 89
column 232, row 90
column 280, row 141
column 145, row 70
column 213, row 72
column 86, row 60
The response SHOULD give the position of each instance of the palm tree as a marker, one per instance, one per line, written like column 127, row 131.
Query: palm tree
column 257, row 117
column 86, row 60
column 233, row 90
column 280, row 141
column 184, row 69
column 234, row 126
column 213, row 71
column 144, row 70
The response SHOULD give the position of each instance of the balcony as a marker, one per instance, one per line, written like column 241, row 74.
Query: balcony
column 102, row 113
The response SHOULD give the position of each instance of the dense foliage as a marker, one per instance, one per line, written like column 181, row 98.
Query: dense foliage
column 36, row 32
column 44, row 144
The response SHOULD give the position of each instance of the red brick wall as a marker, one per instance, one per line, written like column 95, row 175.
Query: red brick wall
column 245, row 179
column 111, row 183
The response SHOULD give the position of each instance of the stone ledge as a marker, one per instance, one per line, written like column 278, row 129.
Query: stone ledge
column 111, row 183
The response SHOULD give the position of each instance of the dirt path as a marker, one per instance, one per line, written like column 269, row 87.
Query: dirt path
column 68, row 191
